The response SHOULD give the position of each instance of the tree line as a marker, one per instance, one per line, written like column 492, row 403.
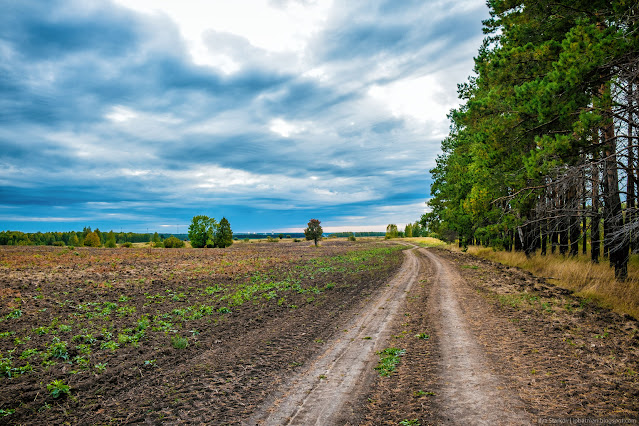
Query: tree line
column 75, row 238
column 543, row 152
column 410, row 230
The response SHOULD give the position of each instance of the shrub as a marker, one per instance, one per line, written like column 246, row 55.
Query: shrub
column 352, row 238
column 126, row 245
column 173, row 242
column 110, row 242
column 58, row 243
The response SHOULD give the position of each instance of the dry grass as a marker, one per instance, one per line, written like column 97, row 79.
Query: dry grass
column 593, row 281
column 426, row 241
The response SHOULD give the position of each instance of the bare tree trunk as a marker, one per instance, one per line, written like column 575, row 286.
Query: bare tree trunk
column 573, row 220
column 595, row 244
column 617, row 239
column 584, row 221
column 564, row 226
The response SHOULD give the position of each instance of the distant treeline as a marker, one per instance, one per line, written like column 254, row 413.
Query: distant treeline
column 76, row 238
column 358, row 234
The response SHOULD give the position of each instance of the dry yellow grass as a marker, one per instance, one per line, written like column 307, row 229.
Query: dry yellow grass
column 426, row 241
column 594, row 281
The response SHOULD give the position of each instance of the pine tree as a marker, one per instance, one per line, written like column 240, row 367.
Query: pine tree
column 224, row 235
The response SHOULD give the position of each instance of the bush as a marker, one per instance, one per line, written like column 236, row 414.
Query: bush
column 352, row 238
column 58, row 243
column 173, row 242
column 126, row 245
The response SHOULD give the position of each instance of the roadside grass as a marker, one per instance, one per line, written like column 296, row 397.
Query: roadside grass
column 427, row 242
column 591, row 281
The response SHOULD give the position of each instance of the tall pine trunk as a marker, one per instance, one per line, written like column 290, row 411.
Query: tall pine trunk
column 618, row 241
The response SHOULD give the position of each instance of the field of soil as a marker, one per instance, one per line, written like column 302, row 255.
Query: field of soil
column 112, row 325
column 262, row 333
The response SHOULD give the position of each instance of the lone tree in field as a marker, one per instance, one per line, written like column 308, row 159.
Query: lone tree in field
column 313, row 231
column 224, row 235
column 202, row 231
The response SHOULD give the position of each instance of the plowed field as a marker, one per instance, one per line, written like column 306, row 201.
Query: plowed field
column 170, row 335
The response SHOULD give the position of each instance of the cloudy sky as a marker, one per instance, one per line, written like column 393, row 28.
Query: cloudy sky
column 140, row 114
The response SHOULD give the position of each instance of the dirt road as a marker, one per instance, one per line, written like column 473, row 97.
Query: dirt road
column 471, row 392
column 321, row 393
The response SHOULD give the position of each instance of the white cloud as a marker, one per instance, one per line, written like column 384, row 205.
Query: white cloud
column 121, row 114
column 268, row 26
column 422, row 98
column 285, row 128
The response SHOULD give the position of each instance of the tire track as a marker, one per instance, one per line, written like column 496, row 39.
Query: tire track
column 319, row 394
column 471, row 392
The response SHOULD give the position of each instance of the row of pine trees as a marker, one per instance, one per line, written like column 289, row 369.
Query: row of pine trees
column 543, row 153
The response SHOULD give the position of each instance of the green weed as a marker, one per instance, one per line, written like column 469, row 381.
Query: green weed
column 389, row 358
column 179, row 342
column 58, row 388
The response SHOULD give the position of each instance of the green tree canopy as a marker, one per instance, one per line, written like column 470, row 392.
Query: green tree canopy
column 202, row 231
column 92, row 240
column 313, row 230
column 110, row 241
column 224, row 235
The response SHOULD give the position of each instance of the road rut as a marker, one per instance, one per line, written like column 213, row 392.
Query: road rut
column 320, row 393
column 472, row 392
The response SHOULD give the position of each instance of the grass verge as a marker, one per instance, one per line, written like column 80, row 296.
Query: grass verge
column 588, row 280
